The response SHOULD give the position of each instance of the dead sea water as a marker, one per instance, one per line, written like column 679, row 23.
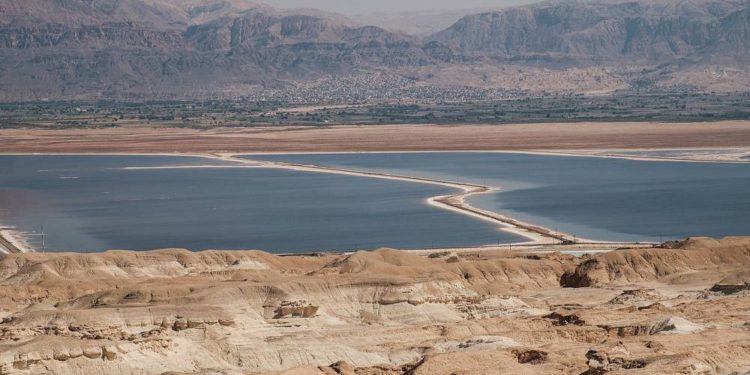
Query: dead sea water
column 93, row 203
column 596, row 198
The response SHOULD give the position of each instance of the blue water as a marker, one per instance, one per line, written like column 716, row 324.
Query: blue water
column 90, row 203
column 597, row 198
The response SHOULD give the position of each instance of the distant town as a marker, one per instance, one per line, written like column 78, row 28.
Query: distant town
column 363, row 101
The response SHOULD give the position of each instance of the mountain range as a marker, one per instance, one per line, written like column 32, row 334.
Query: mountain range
column 173, row 49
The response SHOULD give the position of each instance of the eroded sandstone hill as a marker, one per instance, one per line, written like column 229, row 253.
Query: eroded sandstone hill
column 684, row 309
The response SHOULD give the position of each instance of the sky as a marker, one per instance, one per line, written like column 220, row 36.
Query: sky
column 371, row 6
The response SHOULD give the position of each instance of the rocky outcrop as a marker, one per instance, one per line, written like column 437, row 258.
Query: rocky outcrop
column 559, row 319
column 611, row 358
column 674, row 325
column 692, row 256
column 379, row 312
column 344, row 368
column 730, row 288
column 638, row 297
column 126, row 35
column 530, row 356
column 124, row 49
column 164, row 46
column 734, row 283
column 598, row 32
column 297, row 309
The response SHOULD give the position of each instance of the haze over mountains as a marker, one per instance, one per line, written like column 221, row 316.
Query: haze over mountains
column 163, row 49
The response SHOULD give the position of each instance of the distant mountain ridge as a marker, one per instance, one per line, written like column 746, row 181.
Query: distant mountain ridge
column 161, row 49
column 583, row 31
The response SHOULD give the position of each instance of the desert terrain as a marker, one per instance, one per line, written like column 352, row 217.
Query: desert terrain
column 634, row 79
column 513, row 137
column 221, row 49
column 679, row 309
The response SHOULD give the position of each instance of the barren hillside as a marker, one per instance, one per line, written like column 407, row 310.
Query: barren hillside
column 166, row 49
column 682, row 309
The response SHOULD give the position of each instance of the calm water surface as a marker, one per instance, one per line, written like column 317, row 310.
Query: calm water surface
column 598, row 198
column 90, row 203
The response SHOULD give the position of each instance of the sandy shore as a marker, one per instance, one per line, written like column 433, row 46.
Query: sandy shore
column 513, row 137
column 11, row 241
column 694, row 155
column 536, row 248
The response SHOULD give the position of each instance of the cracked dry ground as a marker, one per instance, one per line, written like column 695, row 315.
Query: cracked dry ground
column 684, row 309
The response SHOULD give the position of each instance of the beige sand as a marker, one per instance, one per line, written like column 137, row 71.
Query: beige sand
column 513, row 137
column 642, row 311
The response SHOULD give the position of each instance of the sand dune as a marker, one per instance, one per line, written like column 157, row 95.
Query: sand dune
column 682, row 309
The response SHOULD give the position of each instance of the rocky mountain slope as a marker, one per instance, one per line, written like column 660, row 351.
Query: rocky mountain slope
column 652, row 311
column 160, row 49
column 645, row 32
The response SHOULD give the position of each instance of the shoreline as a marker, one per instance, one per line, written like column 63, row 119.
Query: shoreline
column 453, row 202
column 536, row 234
column 592, row 153
column 11, row 243
column 579, row 135
column 605, row 153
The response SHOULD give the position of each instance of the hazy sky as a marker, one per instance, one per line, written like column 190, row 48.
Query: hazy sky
column 369, row 6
